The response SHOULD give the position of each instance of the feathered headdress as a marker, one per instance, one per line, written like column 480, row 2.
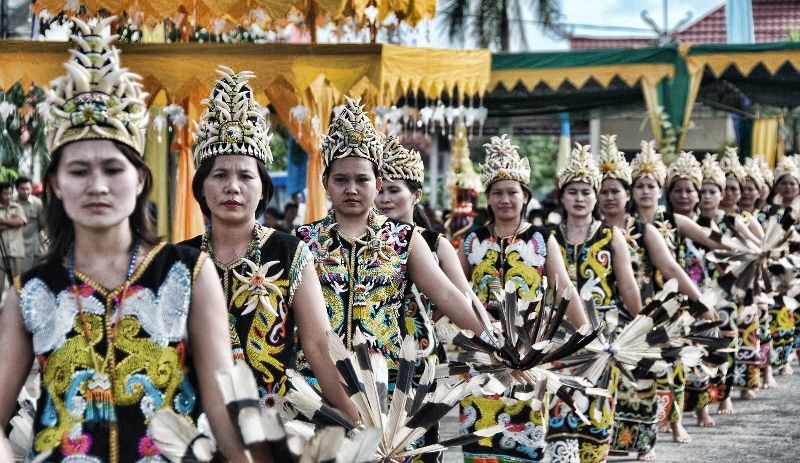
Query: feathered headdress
column 612, row 161
column 766, row 171
column 400, row 163
column 787, row 166
column 729, row 162
column 580, row 167
column 352, row 134
column 97, row 99
column 648, row 163
column 233, row 122
column 712, row 172
column 503, row 162
column 754, row 172
column 686, row 167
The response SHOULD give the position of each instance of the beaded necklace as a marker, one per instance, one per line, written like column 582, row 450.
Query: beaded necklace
column 100, row 392
column 253, row 248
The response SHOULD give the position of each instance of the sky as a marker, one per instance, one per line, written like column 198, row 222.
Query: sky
column 582, row 13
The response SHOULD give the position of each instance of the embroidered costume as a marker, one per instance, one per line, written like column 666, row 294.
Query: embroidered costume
column 259, row 289
column 110, row 357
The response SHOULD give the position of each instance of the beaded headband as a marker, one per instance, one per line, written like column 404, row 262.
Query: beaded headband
column 648, row 163
column 580, row 167
column 612, row 161
column 351, row 134
column 97, row 99
column 685, row 166
column 712, row 171
column 503, row 162
column 400, row 163
column 233, row 122
column 729, row 162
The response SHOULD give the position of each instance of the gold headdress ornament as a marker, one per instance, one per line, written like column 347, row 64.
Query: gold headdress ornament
column 648, row 163
column 503, row 162
column 685, row 166
column 612, row 161
column 729, row 161
column 400, row 163
column 787, row 166
column 580, row 167
column 766, row 171
column 754, row 173
column 233, row 122
column 712, row 171
column 97, row 99
column 352, row 134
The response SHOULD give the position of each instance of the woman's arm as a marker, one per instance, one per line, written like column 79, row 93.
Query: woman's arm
column 211, row 351
column 557, row 275
column 660, row 255
column 430, row 279
column 462, row 259
column 453, row 268
column 313, row 325
column 623, row 273
column 698, row 234
column 16, row 352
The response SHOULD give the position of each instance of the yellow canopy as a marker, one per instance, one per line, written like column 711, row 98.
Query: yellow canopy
column 314, row 76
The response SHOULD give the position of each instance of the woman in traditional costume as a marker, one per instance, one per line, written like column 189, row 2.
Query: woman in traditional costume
column 598, row 264
column 785, row 323
column 267, row 275
column 509, row 249
column 365, row 260
column 121, row 323
column 636, row 415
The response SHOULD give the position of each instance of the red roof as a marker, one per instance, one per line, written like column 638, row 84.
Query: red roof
column 772, row 20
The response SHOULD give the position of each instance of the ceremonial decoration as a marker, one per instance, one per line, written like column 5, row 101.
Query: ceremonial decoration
column 648, row 163
column 465, row 186
column 580, row 167
column 503, row 162
column 400, row 163
column 351, row 134
column 712, row 171
column 612, row 161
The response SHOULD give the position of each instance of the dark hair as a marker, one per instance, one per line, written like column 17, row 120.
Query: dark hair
column 273, row 212
column 59, row 226
column 667, row 204
column 490, row 212
column 290, row 205
column 21, row 180
column 327, row 170
column 205, row 168
column 5, row 186
column 420, row 217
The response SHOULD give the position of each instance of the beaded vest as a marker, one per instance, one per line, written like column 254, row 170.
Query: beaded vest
column 363, row 279
column 77, row 417
column 519, row 258
column 259, row 297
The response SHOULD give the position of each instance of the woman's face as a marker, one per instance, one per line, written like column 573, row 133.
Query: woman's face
column 352, row 186
column 613, row 197
column 396, row 201
column 646, row 192
column 506, row 198
column 97, row 184
column 683, row 197
column 233, row 189
column 750, row 194
column 578, row 199
column 732, row 194
column 788, row 188
column 710, row 197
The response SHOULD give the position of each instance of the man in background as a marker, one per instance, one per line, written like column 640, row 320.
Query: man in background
column 34, row 225
column 12, row 244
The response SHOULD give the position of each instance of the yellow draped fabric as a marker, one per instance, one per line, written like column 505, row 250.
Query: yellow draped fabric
column 187, row 218
column 206, row 12
column 315, row 77
column 768, row 138
column 579, row 75
column 156, row 155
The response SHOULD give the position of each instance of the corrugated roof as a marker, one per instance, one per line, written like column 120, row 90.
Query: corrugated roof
column 772, row 21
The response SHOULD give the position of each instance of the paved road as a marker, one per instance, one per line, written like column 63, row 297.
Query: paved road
column 766, row 429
